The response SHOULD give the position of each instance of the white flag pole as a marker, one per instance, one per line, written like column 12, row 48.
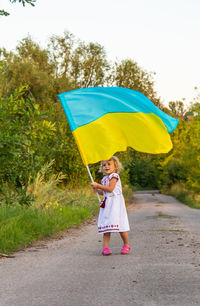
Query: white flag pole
column 90, row 175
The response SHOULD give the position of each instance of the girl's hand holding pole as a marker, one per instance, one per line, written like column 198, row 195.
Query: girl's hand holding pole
column 96, row 188
column 94, row 185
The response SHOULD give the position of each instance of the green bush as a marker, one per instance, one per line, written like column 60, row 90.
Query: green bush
column 144, row 173
column 24, row 131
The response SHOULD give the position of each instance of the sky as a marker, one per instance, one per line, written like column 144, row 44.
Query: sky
column 162, row 36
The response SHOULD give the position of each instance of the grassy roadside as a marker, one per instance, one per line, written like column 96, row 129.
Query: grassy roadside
column 20, row 226
column 184, row 196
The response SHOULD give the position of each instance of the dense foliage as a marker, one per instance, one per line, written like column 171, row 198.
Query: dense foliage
column 34, row 130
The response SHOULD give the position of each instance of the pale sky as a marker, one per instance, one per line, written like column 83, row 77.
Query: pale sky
column 162, row 36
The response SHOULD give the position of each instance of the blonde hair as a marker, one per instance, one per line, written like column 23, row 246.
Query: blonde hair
column 118, row 165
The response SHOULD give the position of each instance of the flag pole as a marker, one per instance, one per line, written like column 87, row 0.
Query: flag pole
column 90, row 175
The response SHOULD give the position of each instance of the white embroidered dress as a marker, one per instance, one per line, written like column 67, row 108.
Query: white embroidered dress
column 113, row 217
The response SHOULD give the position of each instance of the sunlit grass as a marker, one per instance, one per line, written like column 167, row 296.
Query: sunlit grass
column 186, row 197
column 20, row 226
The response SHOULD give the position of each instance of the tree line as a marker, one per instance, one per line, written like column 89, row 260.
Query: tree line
column 34, row 130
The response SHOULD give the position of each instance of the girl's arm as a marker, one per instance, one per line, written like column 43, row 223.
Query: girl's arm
column 108, row 188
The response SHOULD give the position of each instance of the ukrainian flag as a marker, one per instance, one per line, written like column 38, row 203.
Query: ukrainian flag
column 105, row 120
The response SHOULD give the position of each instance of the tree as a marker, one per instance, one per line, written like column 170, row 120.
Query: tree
column 177, row 108
column 182, row 165
column 61, row 50
column 31, row 66
column 194, row 109
column 127, row 73
column 89, row 65
column 31, row 2
column 78, row 63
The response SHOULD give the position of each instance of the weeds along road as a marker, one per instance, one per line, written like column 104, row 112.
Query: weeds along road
column 163, row 267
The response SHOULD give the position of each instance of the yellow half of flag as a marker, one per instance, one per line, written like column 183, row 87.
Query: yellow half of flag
column 100, row 139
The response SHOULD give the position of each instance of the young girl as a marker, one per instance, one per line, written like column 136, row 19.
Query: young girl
column 112, row 215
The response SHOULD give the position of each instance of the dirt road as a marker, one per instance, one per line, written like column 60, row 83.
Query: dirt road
column 163, row 267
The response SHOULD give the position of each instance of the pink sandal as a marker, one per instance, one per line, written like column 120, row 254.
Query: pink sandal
column 106, row 251
column 125, row 250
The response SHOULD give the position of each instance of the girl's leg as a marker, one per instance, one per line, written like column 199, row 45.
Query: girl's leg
column 124, row 236
column 106, row 240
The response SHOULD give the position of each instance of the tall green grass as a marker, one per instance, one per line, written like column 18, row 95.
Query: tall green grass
column 20, row 226
column 185, row 196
